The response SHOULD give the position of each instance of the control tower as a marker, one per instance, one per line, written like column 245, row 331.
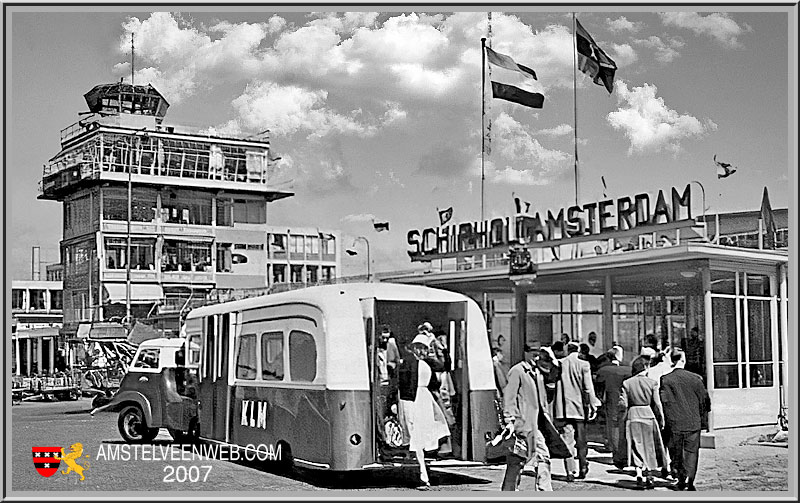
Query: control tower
column 157, row 218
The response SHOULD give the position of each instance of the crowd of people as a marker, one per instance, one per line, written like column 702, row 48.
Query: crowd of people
column 653, row 408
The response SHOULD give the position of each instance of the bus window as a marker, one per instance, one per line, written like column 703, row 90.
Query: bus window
column 246, row 358
column 302, row 356
column 194, row 350
column 148, row 359
column 272, row 356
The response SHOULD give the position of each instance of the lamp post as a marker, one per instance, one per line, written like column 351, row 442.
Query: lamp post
column 703, row 190
column 127, row 320
column 351, row 251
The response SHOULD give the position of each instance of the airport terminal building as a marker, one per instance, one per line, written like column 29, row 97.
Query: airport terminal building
column 629, row 267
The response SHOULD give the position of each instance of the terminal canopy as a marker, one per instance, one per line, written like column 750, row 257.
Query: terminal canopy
column 126, row 98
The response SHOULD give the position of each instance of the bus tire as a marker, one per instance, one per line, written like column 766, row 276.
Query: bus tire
column 286, row 462
column 132, row 426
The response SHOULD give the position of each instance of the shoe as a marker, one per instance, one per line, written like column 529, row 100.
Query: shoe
column 582, row 473
column 570, row 477
column 690, row 485
column 426, row 486
column 649, row 483
column 680, row 485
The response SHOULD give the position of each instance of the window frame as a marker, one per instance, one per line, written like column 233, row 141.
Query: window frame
column 742, row 300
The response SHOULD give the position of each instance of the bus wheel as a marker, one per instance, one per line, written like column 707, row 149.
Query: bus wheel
column 132, row 426
column 285, row 462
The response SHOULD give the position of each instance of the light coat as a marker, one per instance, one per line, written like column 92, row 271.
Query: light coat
column 575, row 390
column 523, row 397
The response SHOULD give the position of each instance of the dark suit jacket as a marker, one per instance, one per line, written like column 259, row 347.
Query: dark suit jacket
column 685, row 400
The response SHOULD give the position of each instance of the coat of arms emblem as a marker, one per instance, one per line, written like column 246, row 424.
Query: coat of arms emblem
column 46, row 460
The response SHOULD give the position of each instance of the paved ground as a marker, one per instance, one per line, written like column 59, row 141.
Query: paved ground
column 729, row 467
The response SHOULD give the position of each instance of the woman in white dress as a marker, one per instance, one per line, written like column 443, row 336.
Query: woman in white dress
column 420, row 414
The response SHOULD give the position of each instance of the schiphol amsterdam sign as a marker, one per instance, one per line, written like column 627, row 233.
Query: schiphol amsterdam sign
column 610, row 218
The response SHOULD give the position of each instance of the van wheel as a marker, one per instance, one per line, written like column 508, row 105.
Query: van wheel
column 132, row 426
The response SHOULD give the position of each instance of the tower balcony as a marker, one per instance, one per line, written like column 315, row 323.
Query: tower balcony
column 103, row 151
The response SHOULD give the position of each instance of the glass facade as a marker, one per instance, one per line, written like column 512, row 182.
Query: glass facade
column 742, row 307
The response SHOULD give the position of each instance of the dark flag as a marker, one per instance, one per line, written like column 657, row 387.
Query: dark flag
column 724, row 169
column 605, row 187
column 517, row 95
column 380, row 226
column 593, row 61
column 503, row 61
column 769, row 221
column 445, row 215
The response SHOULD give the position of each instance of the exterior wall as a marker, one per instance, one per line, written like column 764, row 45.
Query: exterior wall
column 36, row 320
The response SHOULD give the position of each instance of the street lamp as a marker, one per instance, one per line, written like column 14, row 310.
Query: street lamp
column 351, row 251
column 705, row 223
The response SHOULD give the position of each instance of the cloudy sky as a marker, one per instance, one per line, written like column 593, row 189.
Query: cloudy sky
column 378, row 114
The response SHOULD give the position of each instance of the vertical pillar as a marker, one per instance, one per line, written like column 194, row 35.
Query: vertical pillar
column 518, row 341
column 709, row 333
column 18, row 355
column 51, row 355
column 608, row 314
column 39, row 355
column 29, row 354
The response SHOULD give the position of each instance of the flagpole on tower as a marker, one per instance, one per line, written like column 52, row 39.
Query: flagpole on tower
column 483, row 117
column 575, row 99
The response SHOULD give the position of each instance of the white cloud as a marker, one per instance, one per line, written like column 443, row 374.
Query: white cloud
column 649, row 124
column 288, row 109
column 515, row 143
column 665, row 52
column 717, row 25
column 622, row 24
column 360, row 217
column 560, row 130
column 184, row 59
column 623, row 54
column 513, row 176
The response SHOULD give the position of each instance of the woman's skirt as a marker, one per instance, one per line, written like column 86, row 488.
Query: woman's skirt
column 645, row 448
column 423, row 421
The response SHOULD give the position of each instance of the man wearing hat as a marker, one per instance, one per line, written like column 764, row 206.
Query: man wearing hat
column 575, row 398
column 524, row 397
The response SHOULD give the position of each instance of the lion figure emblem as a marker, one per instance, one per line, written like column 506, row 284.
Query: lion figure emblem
column 71, row 459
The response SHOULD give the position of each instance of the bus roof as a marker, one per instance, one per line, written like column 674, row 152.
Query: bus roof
column 330, row 294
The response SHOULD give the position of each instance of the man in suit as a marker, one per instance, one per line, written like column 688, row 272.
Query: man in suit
column 686, row 406
column 523, row 398
column 575, row 398
column 609, row 385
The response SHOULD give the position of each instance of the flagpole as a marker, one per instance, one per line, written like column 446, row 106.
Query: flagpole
column 575, row 99
column 483, row 117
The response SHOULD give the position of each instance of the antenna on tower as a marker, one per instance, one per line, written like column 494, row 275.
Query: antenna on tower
column 132, row 59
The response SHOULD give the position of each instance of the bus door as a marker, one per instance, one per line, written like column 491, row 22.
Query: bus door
column 457, row 346
column 214, row 390
column 368, row 315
